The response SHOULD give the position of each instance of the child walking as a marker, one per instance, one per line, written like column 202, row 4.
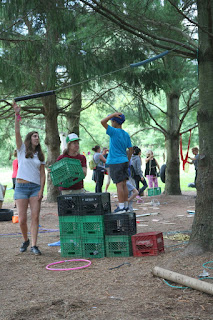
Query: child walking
column 117, row 158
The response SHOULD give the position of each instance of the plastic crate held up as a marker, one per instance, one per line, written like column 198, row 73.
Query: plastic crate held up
column 120, row 224
column 147, row 244
column 66, row 172
column 118, row 246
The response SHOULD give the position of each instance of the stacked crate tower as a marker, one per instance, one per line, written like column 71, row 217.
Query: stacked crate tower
column 81, row 224
column 88, row 229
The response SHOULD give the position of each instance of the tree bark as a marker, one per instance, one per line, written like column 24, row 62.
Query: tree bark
column 172, row 183
column 52, row 142
column 202, row 230
column 73, row 116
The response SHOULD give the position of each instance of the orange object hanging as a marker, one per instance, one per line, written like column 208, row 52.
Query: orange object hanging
column 181, row 149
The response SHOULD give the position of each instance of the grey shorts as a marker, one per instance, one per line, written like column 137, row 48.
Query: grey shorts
column 119, row 172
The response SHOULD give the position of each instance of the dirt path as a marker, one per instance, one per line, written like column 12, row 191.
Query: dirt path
column 130, row 292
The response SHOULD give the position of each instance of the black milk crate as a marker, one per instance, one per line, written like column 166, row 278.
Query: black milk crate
column 68, row 205
column 84, row 204
column 120, row 224
column 118, row 246
column 95, row 203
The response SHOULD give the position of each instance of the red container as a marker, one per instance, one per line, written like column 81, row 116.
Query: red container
column 147, row 244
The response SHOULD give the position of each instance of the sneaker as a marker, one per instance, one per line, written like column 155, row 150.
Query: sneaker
column 24, row 246
column 127, row 209
column 35, row 250
column 118, row 210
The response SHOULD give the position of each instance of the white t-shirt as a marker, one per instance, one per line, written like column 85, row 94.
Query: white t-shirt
column 28, row 168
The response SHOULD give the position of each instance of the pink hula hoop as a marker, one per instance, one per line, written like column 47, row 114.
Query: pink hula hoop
column 66, row 269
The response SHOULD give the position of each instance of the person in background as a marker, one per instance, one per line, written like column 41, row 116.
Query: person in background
column 100, row 168
column 72, row 151
column 2, row 194
column 132, row 194
column 117, row 158
column 105, row 154
column 15, row 170
column 138, row 177
column 151, row 169
column 195, row 160
column 30, row 182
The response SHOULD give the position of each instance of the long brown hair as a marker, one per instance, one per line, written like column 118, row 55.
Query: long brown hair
column 29, row 149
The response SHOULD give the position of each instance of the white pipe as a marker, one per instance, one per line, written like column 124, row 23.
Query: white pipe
column 183, row 280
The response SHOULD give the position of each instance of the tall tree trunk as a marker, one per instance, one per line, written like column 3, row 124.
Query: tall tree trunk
column 202, row 230
column 73, row 116
column 52, row 141
column 172, row 185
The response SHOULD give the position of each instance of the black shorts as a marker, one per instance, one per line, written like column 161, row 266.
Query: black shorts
column 119, row 172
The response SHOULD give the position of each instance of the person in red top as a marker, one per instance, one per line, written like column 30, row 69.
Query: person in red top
column 72, row 151
column 15, row 170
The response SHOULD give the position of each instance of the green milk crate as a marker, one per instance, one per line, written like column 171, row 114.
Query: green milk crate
column 92, row 226
column 70, row 226
column 71, row 247
column 154, row 191
column 118, row 246
column 93, row 248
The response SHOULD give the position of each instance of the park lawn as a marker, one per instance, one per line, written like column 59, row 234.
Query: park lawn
column 185, row 179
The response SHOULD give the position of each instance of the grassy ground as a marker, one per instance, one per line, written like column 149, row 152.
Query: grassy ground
column 6, row 173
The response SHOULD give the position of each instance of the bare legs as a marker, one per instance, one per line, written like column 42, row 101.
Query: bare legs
column 35, row 205
column 122, row 192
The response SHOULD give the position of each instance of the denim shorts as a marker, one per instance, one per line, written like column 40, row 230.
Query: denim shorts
column 26, row 190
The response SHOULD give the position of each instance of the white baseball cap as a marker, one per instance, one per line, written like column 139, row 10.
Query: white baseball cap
column 72, row 137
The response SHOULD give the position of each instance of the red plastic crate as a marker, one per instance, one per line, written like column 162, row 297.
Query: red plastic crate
column 147, row 244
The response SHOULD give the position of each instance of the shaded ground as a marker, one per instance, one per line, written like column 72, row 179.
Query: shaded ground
column 131, row 292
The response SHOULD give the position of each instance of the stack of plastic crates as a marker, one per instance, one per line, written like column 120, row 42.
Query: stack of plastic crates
column 118, row 231
column 81, row 224
column 147, row 244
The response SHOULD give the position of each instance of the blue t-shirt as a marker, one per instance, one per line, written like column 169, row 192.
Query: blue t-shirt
column 119, row 142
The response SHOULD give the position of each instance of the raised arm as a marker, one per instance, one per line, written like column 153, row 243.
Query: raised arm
column 17, row 125
column 110, row 116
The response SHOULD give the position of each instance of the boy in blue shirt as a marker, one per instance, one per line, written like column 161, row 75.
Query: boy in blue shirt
column 117, row 158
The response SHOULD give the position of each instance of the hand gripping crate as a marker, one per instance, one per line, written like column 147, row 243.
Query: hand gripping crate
column 120, row 224
column 147, row 244
column 154, row 191
column 118, row 246
column 66, row 172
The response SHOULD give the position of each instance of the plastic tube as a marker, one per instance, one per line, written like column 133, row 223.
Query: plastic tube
column 183, row 280
column 35, row 95
column 138, row 64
